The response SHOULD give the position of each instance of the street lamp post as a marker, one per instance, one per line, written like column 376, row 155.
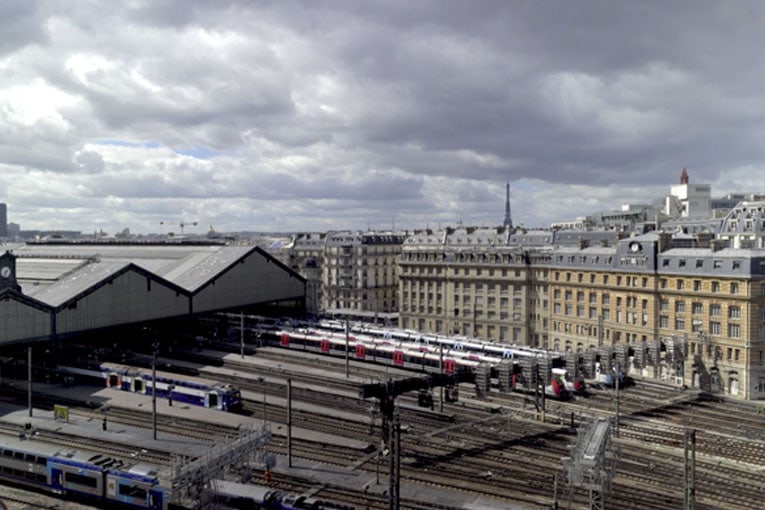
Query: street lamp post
column 155, row 348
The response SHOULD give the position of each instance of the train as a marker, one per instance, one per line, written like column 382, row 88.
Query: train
column 174, row 387
column 251, row 496
column 104, row 481
column 423, row 357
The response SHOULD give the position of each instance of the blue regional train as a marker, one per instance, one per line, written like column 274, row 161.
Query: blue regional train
column 106, row 481
column 180, row 388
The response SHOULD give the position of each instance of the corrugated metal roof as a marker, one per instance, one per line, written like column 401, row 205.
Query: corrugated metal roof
column 200, row 270
column 73, row 283
column 54, row 274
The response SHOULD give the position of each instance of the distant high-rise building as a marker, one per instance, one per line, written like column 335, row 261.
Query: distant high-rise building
column 3, row 220
column 508, row 219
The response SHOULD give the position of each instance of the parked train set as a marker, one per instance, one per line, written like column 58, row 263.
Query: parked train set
column 259, row 329
column 424, row 357
column 181, row 388
column 104, row 481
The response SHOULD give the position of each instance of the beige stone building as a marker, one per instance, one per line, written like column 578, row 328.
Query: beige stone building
column 689, row 309
column 359, row 274
column 477, row 282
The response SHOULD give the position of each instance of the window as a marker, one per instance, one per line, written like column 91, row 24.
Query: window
column 606, row 315
column 717, row 264
column 714, row 328
column 699, row 263
column 87, row 481
column 697, row 308
column 734, row 312
column 663, row 283
column 664, row 322
column 715, row 310
column 715, row 286
column 680, row 284
column 696, row 285
column 734, row 288
column 734, row 330
column 132, row 491
column 679, row 324
column 606, row 299
column 664, row 306
column 679, row 306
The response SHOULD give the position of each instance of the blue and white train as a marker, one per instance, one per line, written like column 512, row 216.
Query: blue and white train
column 180, row 388
column 106, row 481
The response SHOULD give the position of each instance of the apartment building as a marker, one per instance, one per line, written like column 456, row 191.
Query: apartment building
column 305, row 253
column 360, row 273
column 482, row 282
column 699, row 302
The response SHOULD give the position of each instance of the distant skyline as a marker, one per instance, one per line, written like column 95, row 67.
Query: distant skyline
column 313, row 116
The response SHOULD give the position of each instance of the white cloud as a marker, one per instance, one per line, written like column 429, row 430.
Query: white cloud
column 283, row 116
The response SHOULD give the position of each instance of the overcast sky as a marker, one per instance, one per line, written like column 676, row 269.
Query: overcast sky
column 280, row 115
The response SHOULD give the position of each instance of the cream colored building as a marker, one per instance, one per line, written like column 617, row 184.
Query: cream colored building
column 476, row 281
column 701, row 304
column 359, row 274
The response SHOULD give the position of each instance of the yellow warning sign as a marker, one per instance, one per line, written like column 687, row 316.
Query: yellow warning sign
column 61, row 413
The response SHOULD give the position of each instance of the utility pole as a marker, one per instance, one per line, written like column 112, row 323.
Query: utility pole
column 289, row 422
column 600, row 330
column 689, row 495
column 441, row 371
column 347, row 354
column 616, row 380
column 241, row 333
column 155, row 348
column 29, row 380
column 394, row 452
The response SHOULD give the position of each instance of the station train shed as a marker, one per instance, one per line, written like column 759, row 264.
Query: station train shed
column 49, row 292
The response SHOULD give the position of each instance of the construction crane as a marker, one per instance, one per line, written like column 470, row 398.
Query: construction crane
column 185, row 224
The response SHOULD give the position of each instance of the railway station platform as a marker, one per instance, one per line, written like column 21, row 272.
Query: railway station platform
column 123, row 399
column 90, row 427
column 221, row 373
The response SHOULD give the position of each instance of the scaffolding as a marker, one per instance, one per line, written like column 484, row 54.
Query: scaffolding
column 592, row 462
column 193, row 480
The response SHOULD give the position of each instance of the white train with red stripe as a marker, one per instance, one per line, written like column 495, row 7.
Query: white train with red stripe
column 414, row 356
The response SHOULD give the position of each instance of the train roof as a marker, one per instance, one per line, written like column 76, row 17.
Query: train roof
column 77, row 456
column 240, row 490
